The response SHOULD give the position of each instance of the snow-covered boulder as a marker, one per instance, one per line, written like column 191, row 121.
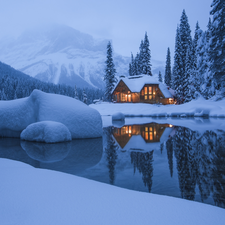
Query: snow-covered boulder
column 118, row 116
column 81, row 120
column 47, row 153
column 46, row 131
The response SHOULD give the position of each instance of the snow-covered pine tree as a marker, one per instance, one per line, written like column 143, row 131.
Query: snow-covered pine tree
column 160, row 77
column 84, row 97
column 75, row 93
column 146, row 57
column 188, row 69
column 217, row 44
column 177, row 68
column 140, row 58
column 136, row 70
column 132, row 69
column 110, row 74
column 185, row 37
column 167, row 79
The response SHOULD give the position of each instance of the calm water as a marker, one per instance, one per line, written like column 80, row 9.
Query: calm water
column 156, row 158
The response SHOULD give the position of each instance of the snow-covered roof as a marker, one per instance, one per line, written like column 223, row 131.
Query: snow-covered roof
column 136, row 83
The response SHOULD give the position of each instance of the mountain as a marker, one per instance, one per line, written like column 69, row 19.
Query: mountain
column 62, row 55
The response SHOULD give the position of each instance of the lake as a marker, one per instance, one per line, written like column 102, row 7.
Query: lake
column 150, row 155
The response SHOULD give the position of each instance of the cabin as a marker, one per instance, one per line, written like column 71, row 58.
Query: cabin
column 143, row 137
column 142, row 89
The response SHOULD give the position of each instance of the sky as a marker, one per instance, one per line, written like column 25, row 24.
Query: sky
column 122, row 21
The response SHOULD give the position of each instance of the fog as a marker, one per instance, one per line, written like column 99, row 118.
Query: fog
column 122, row 21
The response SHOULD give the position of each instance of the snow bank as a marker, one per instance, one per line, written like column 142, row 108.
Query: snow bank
column 195, row 108
column 46, row 131
column 81, row 120
column 64, row 199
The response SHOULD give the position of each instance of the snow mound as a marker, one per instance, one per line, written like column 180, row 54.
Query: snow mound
column 118, row 116
column 46, row 131
column 81, row 120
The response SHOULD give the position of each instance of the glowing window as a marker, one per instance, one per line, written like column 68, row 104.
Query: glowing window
column 150, row 97
column 149, row 90
column 150, row 128
column 146, row 97
column 146, row 129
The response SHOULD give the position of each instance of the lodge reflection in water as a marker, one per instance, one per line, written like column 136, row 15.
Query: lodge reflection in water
column 151, row 132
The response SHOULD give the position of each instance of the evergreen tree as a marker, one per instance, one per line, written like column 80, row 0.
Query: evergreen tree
column 132, row 68
column 160, row 77
column 146, row 57
column 75, row 93
column 110, row 74
column 187, row 74
column 136, row 69
column 182, row 44
column 84, row 97
column 177, row 68
column 168, row 69
column 217, row 44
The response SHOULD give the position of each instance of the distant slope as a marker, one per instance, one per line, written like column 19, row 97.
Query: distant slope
column 61, row 54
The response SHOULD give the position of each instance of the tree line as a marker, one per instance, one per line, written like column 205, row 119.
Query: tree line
column 14, row 84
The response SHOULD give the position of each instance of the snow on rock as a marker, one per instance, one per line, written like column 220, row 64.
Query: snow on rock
column 118, row 116
column 81, row 120
column 46, row 153
column 46, row 131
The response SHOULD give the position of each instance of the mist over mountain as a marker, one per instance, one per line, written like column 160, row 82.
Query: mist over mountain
column 61, row 54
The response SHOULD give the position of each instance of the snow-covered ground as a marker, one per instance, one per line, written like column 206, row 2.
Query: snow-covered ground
column 37, row 196
column 81, row 120
column 195, row 108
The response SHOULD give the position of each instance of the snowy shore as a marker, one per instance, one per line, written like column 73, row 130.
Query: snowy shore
column 195, row 108
column 37, row 196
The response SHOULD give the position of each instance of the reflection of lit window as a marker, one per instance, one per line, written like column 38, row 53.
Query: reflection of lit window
column 149, row 90
column 146, row 135
column 151, row 136
column 129, row 129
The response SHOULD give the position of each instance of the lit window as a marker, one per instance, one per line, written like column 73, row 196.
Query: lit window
column 149, row 90
column 146, row 97
column 150, row 96
column 146, row 129
column 146, row 92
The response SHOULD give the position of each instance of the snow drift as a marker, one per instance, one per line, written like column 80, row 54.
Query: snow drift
column 81, row 120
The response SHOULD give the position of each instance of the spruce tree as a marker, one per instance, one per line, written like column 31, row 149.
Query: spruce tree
column 84, row 97
column 75, row 93
column 177, row 68
column 110, row 74
column 168, row 69
column 217, row 44
column 160, row 77
column 146, row 57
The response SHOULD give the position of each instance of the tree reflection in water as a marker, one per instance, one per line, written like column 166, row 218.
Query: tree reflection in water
column 200, row 162
column 142, row 162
